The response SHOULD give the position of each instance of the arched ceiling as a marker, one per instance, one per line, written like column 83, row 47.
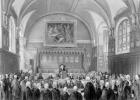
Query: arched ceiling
column 115, row 6
column 137, row 4
column 29, row 11
column 18, row 5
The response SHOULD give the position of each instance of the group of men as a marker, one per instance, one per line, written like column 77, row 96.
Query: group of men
column 91, row 86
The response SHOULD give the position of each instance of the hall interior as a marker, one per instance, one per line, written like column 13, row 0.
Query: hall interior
column 83, row 35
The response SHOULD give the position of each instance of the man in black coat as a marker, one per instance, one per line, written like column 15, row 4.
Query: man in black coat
column 75, row 96
column 6, row 85
column 65, row 94
column 47, row 94
column 98, row 92
column 137, row 87
column 55, row 94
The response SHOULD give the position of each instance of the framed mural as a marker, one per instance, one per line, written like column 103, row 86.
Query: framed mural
column 60, row 33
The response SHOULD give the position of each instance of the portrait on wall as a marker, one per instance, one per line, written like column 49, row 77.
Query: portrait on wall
column 60, row 33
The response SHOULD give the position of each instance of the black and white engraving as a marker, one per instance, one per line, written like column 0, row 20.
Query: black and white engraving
column 69, row 49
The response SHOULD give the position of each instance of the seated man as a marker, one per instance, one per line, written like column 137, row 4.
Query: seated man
column 62, row 72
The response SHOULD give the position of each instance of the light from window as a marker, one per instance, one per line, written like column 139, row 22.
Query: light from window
column 123, row 37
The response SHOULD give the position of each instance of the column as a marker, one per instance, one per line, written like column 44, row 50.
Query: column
column 133, row 32
column 0, row 24
column 111, row 47
column 105, row 49
column 137, row 36
column 111, row 41
column 21, row 53
column 22, row 42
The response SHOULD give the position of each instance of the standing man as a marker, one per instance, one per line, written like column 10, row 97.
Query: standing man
column 15, row 88
column 137, row 87
column 2, row 94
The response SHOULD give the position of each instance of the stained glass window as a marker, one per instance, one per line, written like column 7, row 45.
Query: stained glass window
column 123, row 37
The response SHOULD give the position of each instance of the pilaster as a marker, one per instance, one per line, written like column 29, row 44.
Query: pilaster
column 0, row 24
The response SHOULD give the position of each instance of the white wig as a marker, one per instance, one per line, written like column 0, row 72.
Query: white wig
column 88, row 78
column 136, row 77
column 65, row 89
column 15, row 76
column 46, row 85
column 26, row 77
column 75, row 88
column 107, row 84
column 28, row 84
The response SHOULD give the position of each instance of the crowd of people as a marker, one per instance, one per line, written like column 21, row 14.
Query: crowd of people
column 91, row 86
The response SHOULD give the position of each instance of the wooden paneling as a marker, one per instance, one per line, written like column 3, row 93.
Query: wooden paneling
column 93, row 66
column 9, row 62
column 52, row 58
column 125, row 63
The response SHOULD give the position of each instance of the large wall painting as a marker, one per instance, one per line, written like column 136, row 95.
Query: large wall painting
column 60, row 33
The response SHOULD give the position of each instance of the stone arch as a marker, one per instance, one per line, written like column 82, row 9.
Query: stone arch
column 69, row 14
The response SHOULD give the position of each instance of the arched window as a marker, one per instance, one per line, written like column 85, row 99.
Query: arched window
column 12, row 35
column 123, row 37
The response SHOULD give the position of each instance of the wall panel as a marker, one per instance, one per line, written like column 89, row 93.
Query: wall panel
column 125, row 63
column 9, row 62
